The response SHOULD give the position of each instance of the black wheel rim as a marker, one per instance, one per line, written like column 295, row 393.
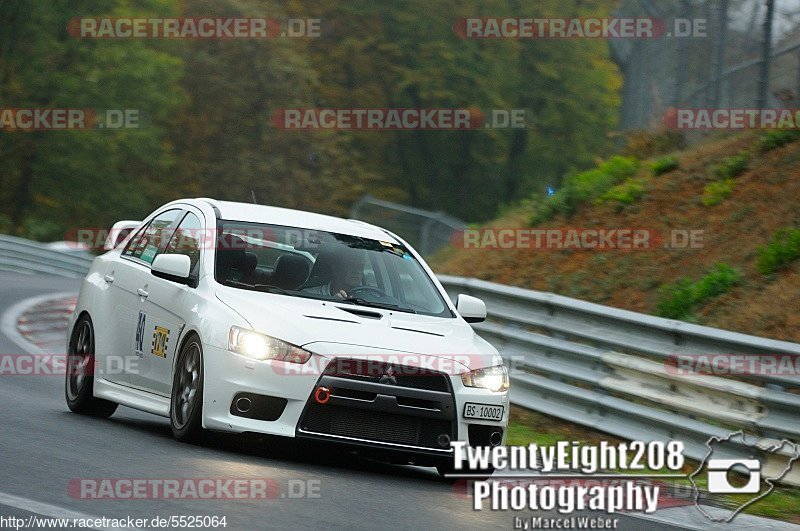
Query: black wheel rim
column 188, row 385
column 78, row 362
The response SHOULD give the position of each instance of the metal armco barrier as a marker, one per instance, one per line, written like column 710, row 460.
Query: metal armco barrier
column 18, row 254
column 606, row 369
column 600, row 367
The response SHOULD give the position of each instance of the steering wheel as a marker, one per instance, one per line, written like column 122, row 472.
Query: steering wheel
column 370, row 290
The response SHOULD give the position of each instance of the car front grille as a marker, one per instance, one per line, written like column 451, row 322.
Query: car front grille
column 381, row 408
column 375, row 371
column 376, row 426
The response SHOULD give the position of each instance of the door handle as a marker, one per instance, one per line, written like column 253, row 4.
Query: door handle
column 109, row 279
column 142, row 293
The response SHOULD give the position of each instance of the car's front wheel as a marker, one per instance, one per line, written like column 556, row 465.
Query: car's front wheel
column 186, row 405
column 79, row 388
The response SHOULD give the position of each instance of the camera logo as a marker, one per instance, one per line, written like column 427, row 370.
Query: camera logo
column 718, row 476
column 763, row 464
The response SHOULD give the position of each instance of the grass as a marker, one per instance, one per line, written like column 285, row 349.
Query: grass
column 664, row 165
column 527, row 427
column 731, row 167
column 583, row 187
column 716, row 192
column 782, row 250
column 776, row 138
column 628, row 192
column 719, row 190
column 679, row 299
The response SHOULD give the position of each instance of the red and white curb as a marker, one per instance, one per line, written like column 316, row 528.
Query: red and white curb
column 38, row 325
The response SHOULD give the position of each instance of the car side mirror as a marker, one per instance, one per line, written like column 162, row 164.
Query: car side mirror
column 173, row 267
column 472, row 309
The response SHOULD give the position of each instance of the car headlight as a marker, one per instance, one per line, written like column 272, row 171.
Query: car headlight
column 258, row 346
column 491, row 378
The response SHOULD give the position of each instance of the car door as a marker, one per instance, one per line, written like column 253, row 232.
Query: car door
column 126, row 278
column 163, row 307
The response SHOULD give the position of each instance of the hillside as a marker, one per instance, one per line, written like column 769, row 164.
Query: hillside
column 738, row 190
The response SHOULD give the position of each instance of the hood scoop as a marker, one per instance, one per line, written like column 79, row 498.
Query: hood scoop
column 360, row 312
column 418, row 331
column 331, row 319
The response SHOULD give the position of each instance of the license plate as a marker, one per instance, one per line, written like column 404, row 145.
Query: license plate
column 482, row 411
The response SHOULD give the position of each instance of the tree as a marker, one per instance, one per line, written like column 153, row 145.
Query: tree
column 57, row 179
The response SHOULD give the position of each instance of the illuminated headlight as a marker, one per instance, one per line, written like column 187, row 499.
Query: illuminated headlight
column 491, row 378
column 261, row 347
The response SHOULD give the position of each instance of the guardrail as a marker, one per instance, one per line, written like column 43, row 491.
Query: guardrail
column 18, row 254
column 608, row 369
column 598, row 366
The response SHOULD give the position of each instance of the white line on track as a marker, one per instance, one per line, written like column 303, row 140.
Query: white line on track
column 8, row 323
column 8, row 326
column 46, row 509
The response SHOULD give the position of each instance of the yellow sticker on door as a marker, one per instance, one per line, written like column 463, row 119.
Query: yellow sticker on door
column 160, row 340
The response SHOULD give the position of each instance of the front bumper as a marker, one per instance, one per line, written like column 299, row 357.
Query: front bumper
column 401, row 416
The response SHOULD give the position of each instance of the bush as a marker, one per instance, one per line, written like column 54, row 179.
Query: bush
column 675, row 301
column 664, row 165
column 732, row 166
column 715, row 192
column 679, row 299
column 584, row 186
column 776, row 138
column 627, row 193
column 719, row 280
column 783, row 249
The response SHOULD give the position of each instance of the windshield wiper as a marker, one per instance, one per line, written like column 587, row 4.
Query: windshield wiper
column 269, row 288
column 386, row 306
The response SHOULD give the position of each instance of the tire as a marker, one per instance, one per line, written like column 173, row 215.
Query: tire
column 79, row 384
column 186, row 403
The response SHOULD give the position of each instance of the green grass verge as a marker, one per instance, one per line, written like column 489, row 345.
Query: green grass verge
column 527, row 427
column 782, row 250
column 679, row 299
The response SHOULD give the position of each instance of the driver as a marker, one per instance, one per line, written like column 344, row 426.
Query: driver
column 347, row 274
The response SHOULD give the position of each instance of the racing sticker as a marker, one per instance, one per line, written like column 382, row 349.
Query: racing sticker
column 160, row 340
column 139, row 341
column 149, row 253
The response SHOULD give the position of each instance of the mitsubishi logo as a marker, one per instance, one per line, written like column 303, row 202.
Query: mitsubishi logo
column 388, row 378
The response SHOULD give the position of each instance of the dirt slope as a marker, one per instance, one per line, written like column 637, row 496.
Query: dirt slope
column 765, row 197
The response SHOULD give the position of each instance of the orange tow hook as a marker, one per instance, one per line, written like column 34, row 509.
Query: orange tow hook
column 322, row 395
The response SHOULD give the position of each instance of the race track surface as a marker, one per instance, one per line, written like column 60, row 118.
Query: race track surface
column 43, row 447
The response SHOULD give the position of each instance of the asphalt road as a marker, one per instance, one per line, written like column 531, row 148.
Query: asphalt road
column 43, row 446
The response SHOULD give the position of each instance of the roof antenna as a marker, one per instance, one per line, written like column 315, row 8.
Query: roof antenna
column 253, row 193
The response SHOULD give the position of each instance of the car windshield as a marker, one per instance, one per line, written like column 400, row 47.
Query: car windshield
column 324, row 265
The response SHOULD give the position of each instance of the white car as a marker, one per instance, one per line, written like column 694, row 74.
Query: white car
column 245, row 318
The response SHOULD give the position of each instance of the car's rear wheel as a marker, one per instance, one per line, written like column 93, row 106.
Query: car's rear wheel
column 186, row 405
column 79, row 387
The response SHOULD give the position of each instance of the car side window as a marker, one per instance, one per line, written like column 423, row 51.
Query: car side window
column 186, row 240
column 145, row 246
column 134, row 241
